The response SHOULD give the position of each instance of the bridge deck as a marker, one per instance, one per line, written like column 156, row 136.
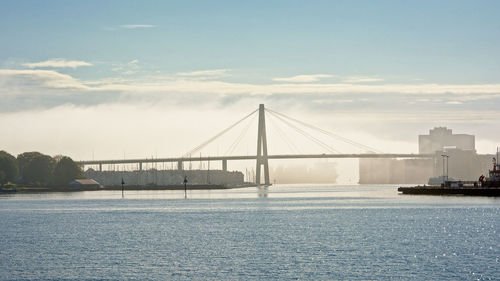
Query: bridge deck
column 254, row 157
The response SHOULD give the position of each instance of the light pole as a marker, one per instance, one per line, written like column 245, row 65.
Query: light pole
column 447, row 165
column 447, row 156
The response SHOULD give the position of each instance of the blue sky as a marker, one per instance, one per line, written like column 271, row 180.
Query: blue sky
column 438, row 41
column 391, row 69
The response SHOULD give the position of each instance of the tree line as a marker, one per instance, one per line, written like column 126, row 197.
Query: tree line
column 37, row 169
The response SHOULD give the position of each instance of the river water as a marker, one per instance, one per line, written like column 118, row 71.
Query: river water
column 313, row 232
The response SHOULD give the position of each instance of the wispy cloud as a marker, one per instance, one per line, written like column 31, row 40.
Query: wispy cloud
column 57, row 63
column 179, row 84
column 214, row 73
column 129, row 26
column 128, row 68
column 36, row 81
column 361, row 79
column 306, row 78
column 324, row 101
column 136, row 26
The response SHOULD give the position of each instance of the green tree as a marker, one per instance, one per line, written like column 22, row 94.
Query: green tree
column 35, row 168
column 65, row 171
column 8, row 167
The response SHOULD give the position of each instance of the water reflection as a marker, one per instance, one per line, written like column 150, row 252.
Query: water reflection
column 263, row 191
column 370, row 195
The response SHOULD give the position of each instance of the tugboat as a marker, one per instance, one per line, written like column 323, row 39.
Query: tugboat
column 484, row 186
column 494, row 178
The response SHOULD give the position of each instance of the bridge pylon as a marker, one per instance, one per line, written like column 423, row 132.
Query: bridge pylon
column 262, row 159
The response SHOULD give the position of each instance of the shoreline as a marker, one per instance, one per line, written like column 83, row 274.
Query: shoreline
column 27, row 189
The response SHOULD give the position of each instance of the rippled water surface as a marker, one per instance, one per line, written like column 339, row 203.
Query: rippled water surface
column 314, row 232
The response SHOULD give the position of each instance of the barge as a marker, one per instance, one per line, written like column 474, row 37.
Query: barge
column 484, row 186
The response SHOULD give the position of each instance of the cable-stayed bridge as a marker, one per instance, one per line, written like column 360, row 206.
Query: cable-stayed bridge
column 262, row 155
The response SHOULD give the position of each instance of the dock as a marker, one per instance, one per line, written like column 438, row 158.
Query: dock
column 450, row 190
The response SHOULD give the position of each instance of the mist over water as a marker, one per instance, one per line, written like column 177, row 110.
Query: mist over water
column 282, row 232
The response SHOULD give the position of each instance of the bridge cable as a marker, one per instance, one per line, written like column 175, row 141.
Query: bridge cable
column 233, row 146
column 307, row 135
column 201, row 146
column 285, row 138
column 346, row 140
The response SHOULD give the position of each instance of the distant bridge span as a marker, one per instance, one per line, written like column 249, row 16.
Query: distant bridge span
column 224, row 159
column 262, row 156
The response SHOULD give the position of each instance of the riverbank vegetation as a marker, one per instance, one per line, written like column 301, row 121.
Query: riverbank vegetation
column 35, row 169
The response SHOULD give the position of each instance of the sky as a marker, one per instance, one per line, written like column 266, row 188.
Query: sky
column 113, row 79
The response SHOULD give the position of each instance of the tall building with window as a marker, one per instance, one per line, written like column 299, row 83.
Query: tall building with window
column 463, row 161
column 441, row 138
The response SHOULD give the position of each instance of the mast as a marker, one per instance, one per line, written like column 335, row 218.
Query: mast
column 497, row 157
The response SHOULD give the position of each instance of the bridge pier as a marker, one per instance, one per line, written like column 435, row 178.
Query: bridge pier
column 262, row 159
column 179, row 165
column 140, row 166
column 100, row 167
column 224, row 164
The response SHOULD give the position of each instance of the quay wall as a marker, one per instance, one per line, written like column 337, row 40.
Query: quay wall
column 165, row 177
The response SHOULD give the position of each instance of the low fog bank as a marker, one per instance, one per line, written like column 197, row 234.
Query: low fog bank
column 146, row 130
column 316, row 173
column 114, row 131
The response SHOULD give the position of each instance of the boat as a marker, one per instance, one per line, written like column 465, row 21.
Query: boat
column 8, row 189
column 439, row 180
column 484, row 186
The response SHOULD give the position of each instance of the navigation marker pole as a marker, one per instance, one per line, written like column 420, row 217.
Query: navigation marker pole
column 185, row 186
column 123, row 183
